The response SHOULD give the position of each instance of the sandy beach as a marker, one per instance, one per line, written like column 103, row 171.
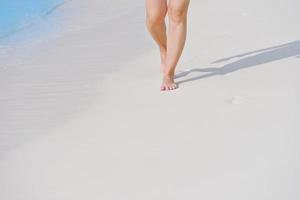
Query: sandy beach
column 82, row 116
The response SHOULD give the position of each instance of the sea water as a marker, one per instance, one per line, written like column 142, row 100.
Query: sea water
column 16, row 15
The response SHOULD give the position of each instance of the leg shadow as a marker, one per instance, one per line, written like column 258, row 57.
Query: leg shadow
column 250, row 59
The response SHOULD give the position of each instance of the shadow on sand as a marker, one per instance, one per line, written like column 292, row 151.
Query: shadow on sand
column 250, row 59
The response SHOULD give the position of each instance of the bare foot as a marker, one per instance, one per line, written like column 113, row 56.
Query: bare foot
column 168, row 83
column 168, row 80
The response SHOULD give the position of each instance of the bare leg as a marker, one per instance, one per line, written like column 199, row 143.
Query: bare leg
column 177, row 12
column 156, row 12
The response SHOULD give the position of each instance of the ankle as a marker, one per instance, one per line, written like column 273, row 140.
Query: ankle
column 169, row 73
column 168, row 76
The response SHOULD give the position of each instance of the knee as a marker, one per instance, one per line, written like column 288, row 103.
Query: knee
column 177, row 13
column 154, row 19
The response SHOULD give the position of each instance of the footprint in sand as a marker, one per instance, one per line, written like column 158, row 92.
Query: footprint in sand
column 236, row 100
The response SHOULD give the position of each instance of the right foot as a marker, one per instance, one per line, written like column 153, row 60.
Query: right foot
column 168, row 83
column 168, row 80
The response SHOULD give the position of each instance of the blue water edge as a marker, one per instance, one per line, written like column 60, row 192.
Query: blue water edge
column 15, row 15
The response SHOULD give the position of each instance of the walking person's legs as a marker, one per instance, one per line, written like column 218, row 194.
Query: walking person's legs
column 171, row 44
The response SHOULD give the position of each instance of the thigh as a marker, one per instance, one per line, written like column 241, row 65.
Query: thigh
column 156, row 8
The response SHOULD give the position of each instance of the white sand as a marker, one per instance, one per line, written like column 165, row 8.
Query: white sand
column 82, row 116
